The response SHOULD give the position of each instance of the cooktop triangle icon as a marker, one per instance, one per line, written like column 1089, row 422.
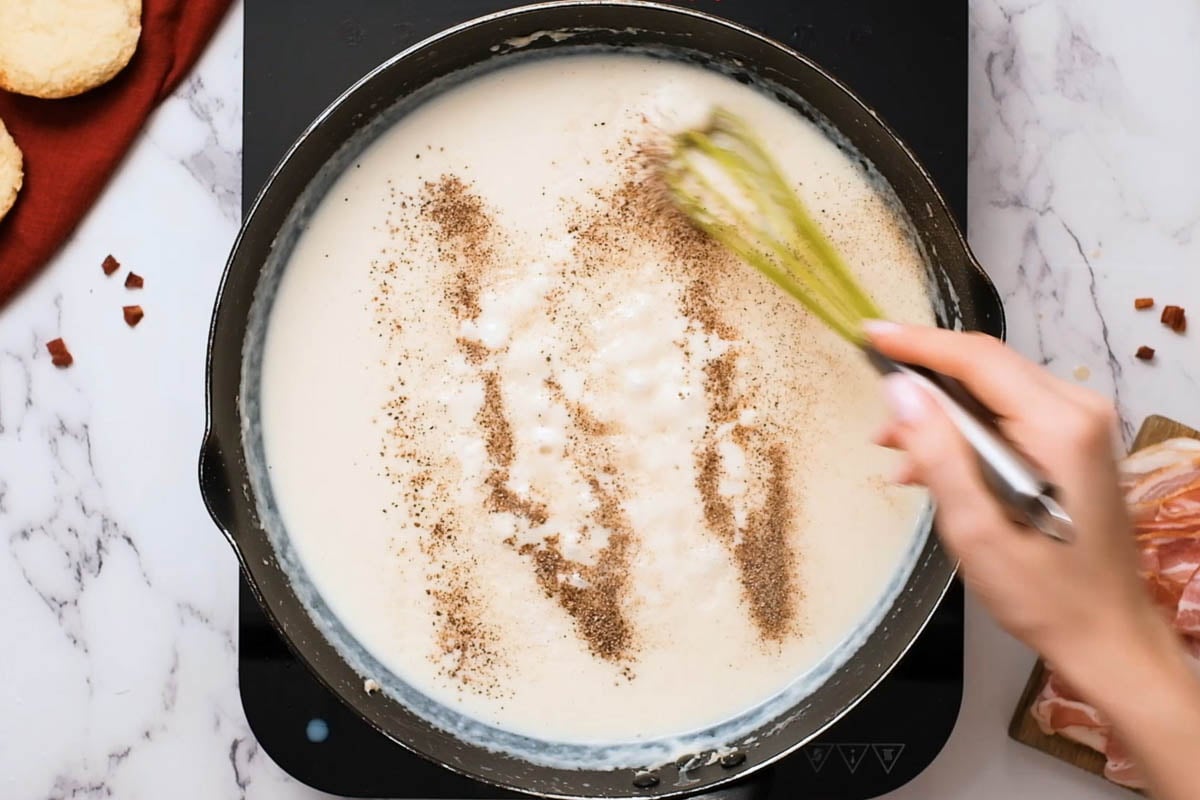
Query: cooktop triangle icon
column 888, row 754
column 817, row 755
column 853, row 755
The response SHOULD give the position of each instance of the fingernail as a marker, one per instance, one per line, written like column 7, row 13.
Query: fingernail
column 904, row 398
column 880, row 327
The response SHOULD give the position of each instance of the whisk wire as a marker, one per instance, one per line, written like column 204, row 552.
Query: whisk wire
column 730, row 236
column 775, row 233
column 823, row 252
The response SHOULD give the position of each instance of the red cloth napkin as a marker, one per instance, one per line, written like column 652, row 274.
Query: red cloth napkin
column 72, row 146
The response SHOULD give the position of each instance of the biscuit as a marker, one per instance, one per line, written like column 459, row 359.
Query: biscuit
column 11, row 174
column 60, row 48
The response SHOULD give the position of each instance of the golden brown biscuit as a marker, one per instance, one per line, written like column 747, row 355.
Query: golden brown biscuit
column 60, row 48
column 11, row 174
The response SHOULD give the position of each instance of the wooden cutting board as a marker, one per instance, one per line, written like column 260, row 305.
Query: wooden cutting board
column 1023, row 727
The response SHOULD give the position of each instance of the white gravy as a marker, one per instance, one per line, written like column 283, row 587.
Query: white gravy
column 550, row 456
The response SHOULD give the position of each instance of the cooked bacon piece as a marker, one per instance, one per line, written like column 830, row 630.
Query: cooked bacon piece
column 60, row 356
column 1175, row 318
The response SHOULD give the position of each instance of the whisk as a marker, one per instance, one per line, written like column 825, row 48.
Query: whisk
column 724, row 180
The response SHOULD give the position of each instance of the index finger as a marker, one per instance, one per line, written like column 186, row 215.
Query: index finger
column 999, row 377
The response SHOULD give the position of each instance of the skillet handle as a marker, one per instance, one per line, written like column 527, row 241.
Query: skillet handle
column 214, row 486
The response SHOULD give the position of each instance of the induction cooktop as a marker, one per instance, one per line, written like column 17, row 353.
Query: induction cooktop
column 910, row 66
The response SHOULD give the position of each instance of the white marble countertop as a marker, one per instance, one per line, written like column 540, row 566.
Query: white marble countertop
column 119, row 595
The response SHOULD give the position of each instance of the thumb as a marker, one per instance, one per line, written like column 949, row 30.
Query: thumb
column 942, row 460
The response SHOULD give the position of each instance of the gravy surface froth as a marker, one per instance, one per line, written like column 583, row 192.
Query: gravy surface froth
column 549, row 454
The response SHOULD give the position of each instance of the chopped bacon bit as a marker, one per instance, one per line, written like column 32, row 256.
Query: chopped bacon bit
column 110, row 265
column 133, row 315
column 1173, row 317
column 133, row 281
column 1145, row 353
column 1142, row 303
column 60, row 356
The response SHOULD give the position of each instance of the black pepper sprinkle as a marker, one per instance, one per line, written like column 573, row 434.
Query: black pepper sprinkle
column 625, row 215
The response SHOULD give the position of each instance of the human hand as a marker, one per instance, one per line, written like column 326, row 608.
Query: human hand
column 1079, row 604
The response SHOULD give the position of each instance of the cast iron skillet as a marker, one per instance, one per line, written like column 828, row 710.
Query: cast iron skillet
column 968, row 299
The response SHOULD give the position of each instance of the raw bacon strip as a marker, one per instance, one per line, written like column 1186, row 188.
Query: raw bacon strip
column 1165, row 595
column 1187, row 614
column 1178, row 559
column 1057, row 709
column 1162, row 488
column 1180, row 503
column 1172, row 516
column 1157, row 456
column 1120, row 767
column 1183, row 506
column 1165, row 481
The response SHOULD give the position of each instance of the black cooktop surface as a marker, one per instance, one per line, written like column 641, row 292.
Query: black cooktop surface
column 910, row 66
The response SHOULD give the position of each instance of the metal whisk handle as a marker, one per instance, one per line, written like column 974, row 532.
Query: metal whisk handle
column 1020, row 487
